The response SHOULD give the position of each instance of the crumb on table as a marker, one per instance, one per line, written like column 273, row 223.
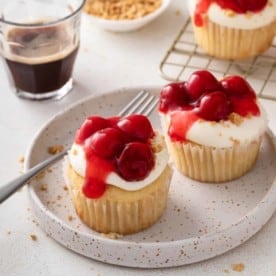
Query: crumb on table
column 21, row 159
column 238, row 267
column 33, row 237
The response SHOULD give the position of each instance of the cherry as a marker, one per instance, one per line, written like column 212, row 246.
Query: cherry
column 238, row 87
column 242, row 6
column 93, row 188
column 213, row 106
column 105, row 143
column 113, row 121
column 201, row 82
column 245, row 107
column 173, row 96
column 136, row 126
column 90, row 126
column 135, row 162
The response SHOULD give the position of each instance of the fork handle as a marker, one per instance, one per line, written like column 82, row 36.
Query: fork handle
column 9, row 188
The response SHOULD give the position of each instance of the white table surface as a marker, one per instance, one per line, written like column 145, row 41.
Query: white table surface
column 105, row 61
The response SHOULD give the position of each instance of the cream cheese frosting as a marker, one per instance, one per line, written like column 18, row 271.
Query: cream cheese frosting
column 225, row 134
column 77, row 159
column 246, row 21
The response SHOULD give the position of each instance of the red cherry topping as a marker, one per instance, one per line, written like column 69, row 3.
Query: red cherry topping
column 245, row 107
column 213, row 107
column 115, row 144
column 93, row 188
column 242, row 6
column 201, row 82
column 136, row 126
column 209, row 99
column 238, row 6
column 172, row 96
column 106, row 143
column 238, row 87
column 113, row 121
column 135, row 161
column 90, row 126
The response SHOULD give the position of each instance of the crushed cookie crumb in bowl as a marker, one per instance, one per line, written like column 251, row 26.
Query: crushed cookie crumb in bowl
column 124, row 15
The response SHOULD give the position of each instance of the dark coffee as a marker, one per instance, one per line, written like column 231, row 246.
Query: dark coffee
column 40, row 60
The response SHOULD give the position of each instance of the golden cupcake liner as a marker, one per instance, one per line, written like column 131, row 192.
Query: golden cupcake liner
column 210, row 164
column 119, row 211
column 231, row 43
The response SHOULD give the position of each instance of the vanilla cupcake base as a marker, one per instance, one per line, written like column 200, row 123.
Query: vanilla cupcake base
column 119, row 211
column 230, row 43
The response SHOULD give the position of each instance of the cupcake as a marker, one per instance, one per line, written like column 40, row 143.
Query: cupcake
column 213, row 129
column 117, row 174
column 233, row 29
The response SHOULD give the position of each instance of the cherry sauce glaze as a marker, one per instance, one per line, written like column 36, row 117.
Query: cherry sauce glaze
column 203, row 97
column 237, row 6
column 115, row 144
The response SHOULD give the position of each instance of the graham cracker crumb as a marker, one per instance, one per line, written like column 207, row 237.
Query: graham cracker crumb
column 75, row 152
column 40, row 175
column 177, row 12
column 44, row 187
column 230, row 13
column 121, row 9
column 158, row 144
column 238, row 267
column 33, row 237
column 236, row 118
column 235, row 141
column 65, row 188
column 70, row 218
column 55, row 149
column 59, row 197
column 113, row 236
column 21, row 158
column 248, row 15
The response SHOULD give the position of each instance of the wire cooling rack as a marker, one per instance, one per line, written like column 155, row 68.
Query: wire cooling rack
column 184, row 57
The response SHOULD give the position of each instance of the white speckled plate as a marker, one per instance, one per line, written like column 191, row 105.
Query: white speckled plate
column 201, row 220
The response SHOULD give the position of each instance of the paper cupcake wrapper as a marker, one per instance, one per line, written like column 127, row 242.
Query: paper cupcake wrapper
column 210, row 164
column 207, row 164
column 231, row 43
column 122, row 214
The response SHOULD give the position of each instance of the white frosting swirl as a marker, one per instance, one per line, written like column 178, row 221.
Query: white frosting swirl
column 77, row 159
column 225, row 134
column 250, row 20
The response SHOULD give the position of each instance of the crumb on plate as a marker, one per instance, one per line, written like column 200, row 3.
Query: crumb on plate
column 55, row 149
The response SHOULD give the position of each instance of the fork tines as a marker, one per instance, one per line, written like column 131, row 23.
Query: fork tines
column 143, row 103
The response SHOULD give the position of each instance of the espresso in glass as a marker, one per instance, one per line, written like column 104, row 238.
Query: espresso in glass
column 39, row 42
column 36, row 61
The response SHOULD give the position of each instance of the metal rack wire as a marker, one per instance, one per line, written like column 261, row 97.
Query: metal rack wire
column 184, row 57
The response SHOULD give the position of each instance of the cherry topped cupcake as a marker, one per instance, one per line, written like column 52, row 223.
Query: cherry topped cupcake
column 213, row 129
column 233, row 29
column 117, row 174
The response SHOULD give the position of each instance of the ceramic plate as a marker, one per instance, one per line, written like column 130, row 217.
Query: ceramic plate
column 201, row 220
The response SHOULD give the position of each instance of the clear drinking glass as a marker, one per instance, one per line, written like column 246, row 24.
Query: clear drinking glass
column 39, row 41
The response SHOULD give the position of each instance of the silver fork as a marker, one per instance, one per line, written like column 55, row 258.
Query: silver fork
column 143, row 103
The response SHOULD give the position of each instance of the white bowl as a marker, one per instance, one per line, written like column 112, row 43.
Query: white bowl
column 127, row 25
